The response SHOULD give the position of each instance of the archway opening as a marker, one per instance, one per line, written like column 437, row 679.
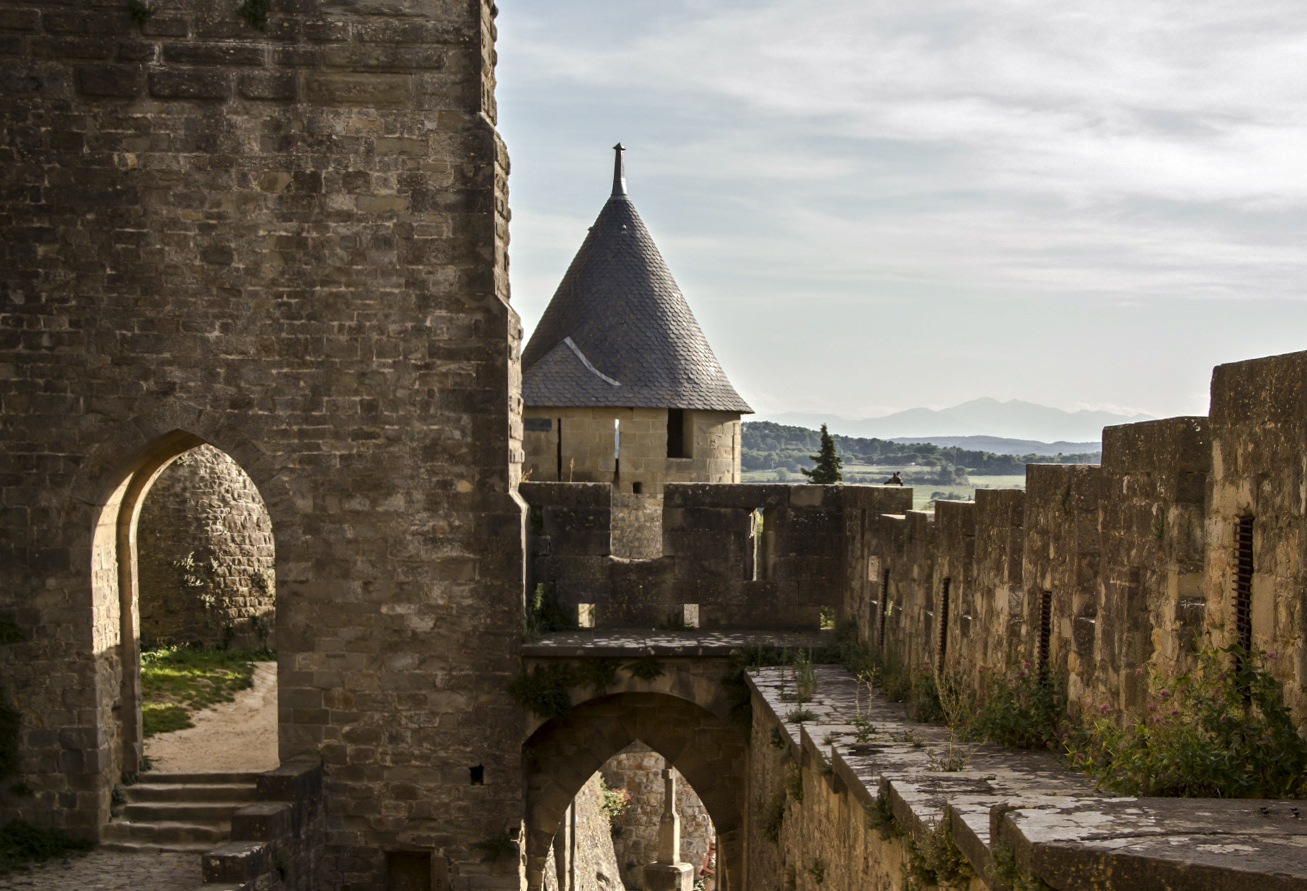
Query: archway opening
column 116, row 591
column 565, row 753
column 207, row 613
column 610, row 831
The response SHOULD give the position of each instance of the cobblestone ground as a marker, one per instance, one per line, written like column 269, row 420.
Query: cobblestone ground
column 106, row 871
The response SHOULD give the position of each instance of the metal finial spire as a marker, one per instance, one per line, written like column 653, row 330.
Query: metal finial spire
column 619, row 170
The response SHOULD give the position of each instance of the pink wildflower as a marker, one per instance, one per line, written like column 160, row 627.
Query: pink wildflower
column 1163, row 692
column 1104, row 708
column 1174, row 712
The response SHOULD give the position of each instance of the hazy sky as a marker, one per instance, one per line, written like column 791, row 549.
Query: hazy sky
column 877, row 205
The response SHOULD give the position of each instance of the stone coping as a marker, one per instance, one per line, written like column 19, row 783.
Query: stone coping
column 609, row 642
column 1061, row 828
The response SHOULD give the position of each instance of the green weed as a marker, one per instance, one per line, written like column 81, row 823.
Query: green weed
column 544, row 689
column 176, row 682
column 22, row 843
column 1221, row 731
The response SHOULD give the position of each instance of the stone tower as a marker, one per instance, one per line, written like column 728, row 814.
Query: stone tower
column 284, row 237
column 618, row 381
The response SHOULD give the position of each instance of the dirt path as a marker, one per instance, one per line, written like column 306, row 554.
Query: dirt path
column 239, row 735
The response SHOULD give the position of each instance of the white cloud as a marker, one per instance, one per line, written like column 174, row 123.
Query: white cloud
column 1124, row 158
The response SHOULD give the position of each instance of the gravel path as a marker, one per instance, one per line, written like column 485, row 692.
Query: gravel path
column 239, row 735
column 107, row 871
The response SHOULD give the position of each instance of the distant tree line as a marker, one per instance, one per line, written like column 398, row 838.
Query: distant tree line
column 778, row 447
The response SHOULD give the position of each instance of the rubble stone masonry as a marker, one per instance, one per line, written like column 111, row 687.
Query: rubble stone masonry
column 206, row 557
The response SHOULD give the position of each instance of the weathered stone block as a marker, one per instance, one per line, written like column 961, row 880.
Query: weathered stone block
column 115, row 81
column 179, row 84
column 373, row 91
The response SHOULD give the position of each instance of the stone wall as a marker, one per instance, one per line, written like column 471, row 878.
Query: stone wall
column 277, row 843
column 637, row 526
column 713, row 558
column 206, row 557
column 583, row 857
column 577, row 445
column 638, row 769
column 290, row 244
column 1109, row 573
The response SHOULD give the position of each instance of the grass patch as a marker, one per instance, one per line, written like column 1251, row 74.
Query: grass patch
column 176, row 682
column 22, row 843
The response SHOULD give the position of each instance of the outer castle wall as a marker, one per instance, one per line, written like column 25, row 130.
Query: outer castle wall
column 1104, row 573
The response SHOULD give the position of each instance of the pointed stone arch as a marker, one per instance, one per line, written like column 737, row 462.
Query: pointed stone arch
column 114, row 596
column 97, row 519
column 564, row 752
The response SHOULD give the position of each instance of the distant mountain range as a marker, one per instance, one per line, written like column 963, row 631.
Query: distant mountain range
column 1002, row 446
column 984, row 418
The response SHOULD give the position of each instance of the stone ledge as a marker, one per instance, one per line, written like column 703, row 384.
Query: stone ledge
column 671, row 644
column 1062, row 829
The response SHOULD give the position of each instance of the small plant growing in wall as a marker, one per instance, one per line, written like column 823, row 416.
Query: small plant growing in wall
column 1006, row 873
column 10, row 632
column 818, row 871
column 805, row 677
column 545, row 614
column 773, row 818
column 1221, row 731
column 140, row 11
column 497, row 848
column 613, row 802
column 933, row 859
column 646, row 668
column 544, row 690
column 880, row 817
column 794, row 782
column 255, row 13
column 598, row 674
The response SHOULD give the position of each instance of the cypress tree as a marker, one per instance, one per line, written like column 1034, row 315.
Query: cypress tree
column 828, row 463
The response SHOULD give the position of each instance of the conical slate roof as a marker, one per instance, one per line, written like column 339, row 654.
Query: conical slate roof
column 618, row 331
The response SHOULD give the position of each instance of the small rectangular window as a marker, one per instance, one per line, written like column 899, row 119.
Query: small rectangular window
column 637, row 488
column 585, row 615
column 676, row 433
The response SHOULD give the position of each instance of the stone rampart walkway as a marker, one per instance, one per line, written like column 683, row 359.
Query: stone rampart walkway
column 109, row 871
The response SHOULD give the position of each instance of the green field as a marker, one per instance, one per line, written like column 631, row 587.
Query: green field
column 922, row 495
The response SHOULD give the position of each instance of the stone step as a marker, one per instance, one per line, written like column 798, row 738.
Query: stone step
column 166, row 833
column 131, row 847
column 210, row 778
column 208, row 812
column 163, row 792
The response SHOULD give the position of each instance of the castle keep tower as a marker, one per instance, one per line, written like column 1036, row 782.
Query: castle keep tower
column 618, row 381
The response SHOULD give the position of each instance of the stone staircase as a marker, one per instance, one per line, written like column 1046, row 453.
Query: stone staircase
column 179, row 812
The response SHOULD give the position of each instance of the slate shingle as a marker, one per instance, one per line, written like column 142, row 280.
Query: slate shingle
column 624, row 313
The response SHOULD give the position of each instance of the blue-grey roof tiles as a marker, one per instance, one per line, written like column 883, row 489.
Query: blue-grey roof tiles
column 618, row 331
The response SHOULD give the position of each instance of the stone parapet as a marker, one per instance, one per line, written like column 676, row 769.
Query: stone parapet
column 1053, row 823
